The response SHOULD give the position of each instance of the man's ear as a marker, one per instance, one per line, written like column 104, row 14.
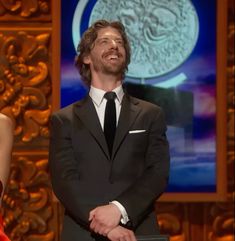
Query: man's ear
column 86, row 59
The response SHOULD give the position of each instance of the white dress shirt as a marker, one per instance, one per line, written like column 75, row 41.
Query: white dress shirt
column 97, row 96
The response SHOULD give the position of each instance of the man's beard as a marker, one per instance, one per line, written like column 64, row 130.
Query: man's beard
column 117, row 69
column 109, row 68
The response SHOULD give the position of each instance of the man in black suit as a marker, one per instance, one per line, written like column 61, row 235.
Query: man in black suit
column 108, row 175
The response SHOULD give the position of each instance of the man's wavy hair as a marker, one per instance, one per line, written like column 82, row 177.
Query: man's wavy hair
column 87, row 43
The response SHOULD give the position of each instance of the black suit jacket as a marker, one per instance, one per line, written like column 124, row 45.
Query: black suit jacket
column 84, row 176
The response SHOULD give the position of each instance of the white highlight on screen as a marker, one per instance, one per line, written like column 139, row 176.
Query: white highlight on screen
column 173, row 82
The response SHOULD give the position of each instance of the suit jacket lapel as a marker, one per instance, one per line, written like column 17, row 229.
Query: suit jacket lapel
column 129, row 113
column 85, row 110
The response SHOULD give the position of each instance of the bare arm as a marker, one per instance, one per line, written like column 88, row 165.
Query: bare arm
column 6, row 142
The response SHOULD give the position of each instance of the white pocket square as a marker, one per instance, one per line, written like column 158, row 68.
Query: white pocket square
column 136, row 131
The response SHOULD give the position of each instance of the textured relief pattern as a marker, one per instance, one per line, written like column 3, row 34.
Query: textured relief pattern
column 24, row 8
column 162, row 33
column 223, row 213
column 25, row 90
column 25, row 83
column 27, row 209
column 170, row 220
column 223, row 222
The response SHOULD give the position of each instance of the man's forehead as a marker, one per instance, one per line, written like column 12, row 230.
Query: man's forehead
column 109, row 32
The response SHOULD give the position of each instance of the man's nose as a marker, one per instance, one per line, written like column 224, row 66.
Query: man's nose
column 113, row 44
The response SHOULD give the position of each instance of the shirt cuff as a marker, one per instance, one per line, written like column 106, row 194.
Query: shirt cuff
column 125, row 218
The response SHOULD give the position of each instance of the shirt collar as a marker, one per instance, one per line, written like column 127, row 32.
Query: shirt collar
column 97, row 95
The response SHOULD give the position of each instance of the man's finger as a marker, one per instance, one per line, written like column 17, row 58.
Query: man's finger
column 93, row 224
column 132, row 236
column 104, row 231
column 91, row 214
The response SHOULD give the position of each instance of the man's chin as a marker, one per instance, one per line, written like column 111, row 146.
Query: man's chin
column 113, row 72
column 113, row 69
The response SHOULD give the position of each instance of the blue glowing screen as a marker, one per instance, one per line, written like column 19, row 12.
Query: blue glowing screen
column 173, row 65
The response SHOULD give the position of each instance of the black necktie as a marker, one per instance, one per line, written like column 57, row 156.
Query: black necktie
column 110, row 119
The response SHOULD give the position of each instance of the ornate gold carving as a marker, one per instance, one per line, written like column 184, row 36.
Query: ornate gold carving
column 27, row 201
column 170, row 224
column 223, row 213
column 27, row 209
column 170, row 220
column 25, row 83
column 223, row 224
column 24, row 8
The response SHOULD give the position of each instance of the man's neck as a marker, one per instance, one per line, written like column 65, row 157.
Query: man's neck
column 106, row 82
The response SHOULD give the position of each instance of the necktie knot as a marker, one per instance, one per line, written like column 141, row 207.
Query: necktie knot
column 110, row 95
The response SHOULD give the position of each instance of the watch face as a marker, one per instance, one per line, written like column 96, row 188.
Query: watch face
column 162, row 33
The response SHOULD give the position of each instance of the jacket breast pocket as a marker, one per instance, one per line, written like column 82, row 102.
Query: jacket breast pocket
column 137, row 141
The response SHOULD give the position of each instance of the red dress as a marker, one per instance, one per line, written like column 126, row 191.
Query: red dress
column 3, row 236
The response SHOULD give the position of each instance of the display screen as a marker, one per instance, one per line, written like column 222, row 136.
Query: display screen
column 173, row 65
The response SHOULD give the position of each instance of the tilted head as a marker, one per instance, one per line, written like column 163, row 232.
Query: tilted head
column 88, row 42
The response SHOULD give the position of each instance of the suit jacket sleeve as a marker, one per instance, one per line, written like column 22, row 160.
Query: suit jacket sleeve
column 139, row 198
column 63, row 169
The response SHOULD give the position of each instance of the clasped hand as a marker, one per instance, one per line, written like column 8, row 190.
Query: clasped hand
column 105, row 220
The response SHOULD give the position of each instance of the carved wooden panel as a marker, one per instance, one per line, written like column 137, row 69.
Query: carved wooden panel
column 25, row 82
column 171, row 219
column 25, row 10
column 222, row 222
column 28, row 207
column 30, row 212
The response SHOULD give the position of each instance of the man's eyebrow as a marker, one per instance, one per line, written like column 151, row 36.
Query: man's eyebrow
column 104, row 38
column 101, row 38
column 119, row 38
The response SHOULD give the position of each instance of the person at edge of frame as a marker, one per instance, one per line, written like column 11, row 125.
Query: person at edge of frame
column 107, row 186
column 6, row 143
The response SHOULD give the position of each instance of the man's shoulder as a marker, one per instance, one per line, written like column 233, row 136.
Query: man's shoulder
column 65, row 111
column 144, row 104
column 68, row 110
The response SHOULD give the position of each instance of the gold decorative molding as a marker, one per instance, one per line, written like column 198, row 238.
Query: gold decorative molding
column 170, row 219
column 223, row 213
column 30, row 213
column 223, row 222
column 171, row 225
column 27, row 201
column 23, row 8
column 25, row 82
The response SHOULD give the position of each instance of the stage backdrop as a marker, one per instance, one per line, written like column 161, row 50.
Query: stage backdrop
column 173, row 64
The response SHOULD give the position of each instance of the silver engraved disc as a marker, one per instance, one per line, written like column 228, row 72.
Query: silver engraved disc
column 162, row 33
